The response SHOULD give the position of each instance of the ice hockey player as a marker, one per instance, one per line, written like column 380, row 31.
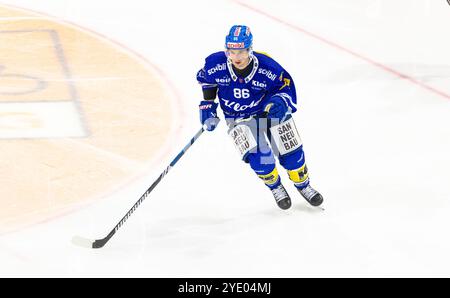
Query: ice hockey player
column 258, row 98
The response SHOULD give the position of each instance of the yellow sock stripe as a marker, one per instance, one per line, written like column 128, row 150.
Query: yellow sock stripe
column 270, row 178
column 299, row 175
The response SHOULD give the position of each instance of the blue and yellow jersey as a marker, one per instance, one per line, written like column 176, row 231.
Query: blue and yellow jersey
column 247, row 96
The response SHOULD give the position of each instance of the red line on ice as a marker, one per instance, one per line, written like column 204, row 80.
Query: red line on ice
column 339, row 47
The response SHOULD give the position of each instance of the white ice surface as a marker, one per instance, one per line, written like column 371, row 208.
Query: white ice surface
column 377, row 147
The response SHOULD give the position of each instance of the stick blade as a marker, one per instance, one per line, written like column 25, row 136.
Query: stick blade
column 83, row 242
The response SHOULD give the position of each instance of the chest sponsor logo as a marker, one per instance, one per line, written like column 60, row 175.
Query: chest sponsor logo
column 267, row 73
column 223, row 80
column 216, row 68
column 240, row 107
column 261, row 85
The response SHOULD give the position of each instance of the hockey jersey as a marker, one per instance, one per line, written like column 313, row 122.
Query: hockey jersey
column 247, row 96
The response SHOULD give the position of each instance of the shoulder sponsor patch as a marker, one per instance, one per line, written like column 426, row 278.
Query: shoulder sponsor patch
column 216, row 68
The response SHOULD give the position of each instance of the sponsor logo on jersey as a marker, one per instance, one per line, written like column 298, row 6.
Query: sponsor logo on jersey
column 225, row 80
column 238, row 107
column 261, row 85
column 218, row 67
column 267, row 73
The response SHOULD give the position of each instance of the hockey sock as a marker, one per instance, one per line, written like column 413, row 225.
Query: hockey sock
column 272, row 180
column 299, row 176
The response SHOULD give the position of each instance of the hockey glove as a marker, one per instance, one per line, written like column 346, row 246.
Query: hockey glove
column 208, row 114
column 276, row 108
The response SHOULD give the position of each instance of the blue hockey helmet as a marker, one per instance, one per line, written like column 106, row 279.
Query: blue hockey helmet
column 239, row 37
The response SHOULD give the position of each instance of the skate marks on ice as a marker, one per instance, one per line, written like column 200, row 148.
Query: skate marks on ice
column 80, row 116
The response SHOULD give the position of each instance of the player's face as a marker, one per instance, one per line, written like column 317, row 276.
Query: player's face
column 239, row 58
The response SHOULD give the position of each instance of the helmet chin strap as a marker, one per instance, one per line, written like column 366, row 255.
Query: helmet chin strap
column 250, row 52
column 250, row 55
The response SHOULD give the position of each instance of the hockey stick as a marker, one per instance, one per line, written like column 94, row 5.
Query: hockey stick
column 99, row 243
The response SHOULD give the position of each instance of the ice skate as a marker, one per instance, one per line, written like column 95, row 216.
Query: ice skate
column 281, row 197
column 311, row 195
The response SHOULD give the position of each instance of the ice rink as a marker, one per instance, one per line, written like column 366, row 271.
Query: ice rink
column 373, row 82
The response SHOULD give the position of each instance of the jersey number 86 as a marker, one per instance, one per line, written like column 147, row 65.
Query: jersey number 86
column 241, row 93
